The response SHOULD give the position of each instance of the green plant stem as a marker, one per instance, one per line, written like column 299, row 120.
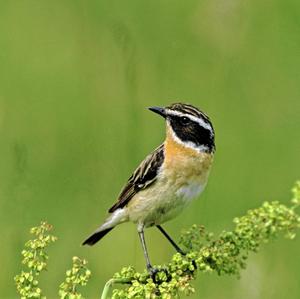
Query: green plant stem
column 110, row 283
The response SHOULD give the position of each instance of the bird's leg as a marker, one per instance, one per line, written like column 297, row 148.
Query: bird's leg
column 152, row 271
column 177, row 248
column 142, row 239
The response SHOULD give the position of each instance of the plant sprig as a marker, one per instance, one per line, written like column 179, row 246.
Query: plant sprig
column 225, row 254
column 78, row 276
column 35, row 258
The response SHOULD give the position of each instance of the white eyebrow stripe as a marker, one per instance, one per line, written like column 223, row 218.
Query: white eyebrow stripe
column 200, row 121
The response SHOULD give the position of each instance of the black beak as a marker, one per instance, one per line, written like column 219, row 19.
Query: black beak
column 159, row 110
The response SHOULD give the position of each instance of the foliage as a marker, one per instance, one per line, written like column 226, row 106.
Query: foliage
column 78, row 276
column 224, row 254
column 35, row 258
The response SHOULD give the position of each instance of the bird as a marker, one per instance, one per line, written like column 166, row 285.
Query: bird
column 168, row 179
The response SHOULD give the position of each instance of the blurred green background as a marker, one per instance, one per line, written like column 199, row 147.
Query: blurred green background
column 75, row 79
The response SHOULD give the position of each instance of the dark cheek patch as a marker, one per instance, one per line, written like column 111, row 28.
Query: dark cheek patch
column 193, row 132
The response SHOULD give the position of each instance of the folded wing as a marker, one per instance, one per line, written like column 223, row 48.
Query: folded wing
column 143, row 177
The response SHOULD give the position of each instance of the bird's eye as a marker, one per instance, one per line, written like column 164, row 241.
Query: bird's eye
column 185, row 120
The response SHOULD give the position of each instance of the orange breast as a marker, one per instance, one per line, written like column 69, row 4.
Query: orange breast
column 186, row 162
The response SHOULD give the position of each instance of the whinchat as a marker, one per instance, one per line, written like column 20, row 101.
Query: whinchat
column 168, row 179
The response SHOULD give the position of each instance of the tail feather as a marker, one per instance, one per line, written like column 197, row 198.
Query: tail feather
column 96, row 236
column 114, row 219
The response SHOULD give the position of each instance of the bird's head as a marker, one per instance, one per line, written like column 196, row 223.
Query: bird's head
column 189, row 126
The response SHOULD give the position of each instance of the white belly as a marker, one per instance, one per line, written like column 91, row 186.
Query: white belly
column 190, row 191
column 162, row 202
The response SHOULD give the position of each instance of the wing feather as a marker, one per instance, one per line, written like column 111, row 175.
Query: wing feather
column 143, row 177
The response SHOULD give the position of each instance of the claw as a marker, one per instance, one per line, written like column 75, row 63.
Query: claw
column 194, row 264
column 193, row 261
column 153, row 271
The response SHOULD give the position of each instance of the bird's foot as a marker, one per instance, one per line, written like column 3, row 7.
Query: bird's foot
column 192, row 261
column 159, row 275
column 195, row 265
